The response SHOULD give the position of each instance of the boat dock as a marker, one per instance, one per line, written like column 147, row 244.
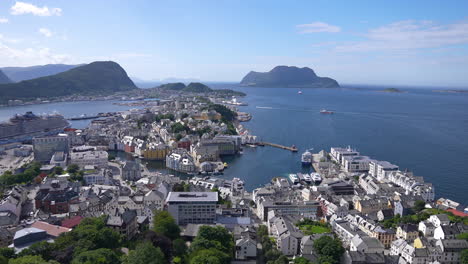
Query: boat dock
column 292, row 148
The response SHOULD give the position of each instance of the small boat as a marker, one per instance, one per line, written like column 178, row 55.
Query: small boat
column 316, row 178
column 294, row 179
column 324, row 111
column 225, row 165
column 300, row 92
column 307, row 178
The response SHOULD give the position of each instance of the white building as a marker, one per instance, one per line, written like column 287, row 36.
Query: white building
column 338, row 154
column 192, row 207
column 356, row 163
column 246, row 248
column 96, row 158
column 381, row 169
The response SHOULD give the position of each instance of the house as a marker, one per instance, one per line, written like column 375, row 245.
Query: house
column 366, row 244
column 55, row 196
column 446, row 232
column 125, row 223
column 246, row 248
column 415, row 255
column 131, row 171
column 439, row 220
column 371, row 205
column 451, row 249
column 401, row 208
column 407, row 232
column 385, row 214
column 356, row 257
column 397, row 247
column 427, row 228
column 288, row 237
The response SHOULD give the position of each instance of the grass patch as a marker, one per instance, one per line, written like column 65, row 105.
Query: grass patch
column 314, row 229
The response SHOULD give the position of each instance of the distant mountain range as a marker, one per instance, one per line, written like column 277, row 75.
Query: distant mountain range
column 285, row 76
column 18, row 74
column 4, row 78
column 97, row 78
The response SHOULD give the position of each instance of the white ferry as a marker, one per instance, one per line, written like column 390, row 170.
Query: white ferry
column 316, row 178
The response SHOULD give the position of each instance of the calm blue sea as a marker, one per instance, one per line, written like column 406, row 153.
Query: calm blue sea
column 424, row 131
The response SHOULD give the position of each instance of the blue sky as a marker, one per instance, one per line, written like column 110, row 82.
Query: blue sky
column 355, row 42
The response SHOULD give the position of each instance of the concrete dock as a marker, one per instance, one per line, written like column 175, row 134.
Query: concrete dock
column 292, row 148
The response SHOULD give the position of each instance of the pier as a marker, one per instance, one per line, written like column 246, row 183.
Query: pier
column 292, row 148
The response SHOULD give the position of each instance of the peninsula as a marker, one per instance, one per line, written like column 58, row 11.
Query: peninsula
column 102, row 77
column 289, row 77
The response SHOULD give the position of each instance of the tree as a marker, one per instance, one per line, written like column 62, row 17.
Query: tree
column 98, row 256
column 419, row 205
column 73, row 168
column 179, row 247
column 30, row 260
column 43, row 249
column 272, row 254
column 463, row 236
column 159, row 241
column 327, row 246
column 58, row 170
column 464, row 257
column 164, row 224
column 327, row 260
column 217, row 233
column 210, row 256
column 145, row 253
column 3, row 260
column 301, row 260
column 7, row 252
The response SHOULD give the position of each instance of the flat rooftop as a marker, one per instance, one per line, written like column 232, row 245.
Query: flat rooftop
column 192, row 197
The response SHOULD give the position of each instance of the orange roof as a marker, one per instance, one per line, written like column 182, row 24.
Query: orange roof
column 52, row 230
column 72, row 222
column 457, row 213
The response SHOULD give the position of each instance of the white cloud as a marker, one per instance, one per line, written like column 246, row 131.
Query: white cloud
column 46, row 32
column 11, row 56
column 21, row 8
column 3, row 20
column 407, row 35
column 316, row 27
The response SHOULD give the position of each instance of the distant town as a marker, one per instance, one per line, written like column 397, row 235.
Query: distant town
column 69, row 196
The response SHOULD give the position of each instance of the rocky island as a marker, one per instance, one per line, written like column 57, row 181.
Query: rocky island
column 288, row 76
column 391, row 90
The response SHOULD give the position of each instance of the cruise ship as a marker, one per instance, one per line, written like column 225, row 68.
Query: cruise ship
column 316, row 178
column 306, row 158
column 20, row 128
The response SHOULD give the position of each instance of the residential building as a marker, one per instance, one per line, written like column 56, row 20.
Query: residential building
column 56, row 195
column 366, row 244
column 246, row 248
column 338, row 154
column 451, row 249
column 95, row 158
column 131, row 171
column 381, row 169
column 408, row 232
column 125, row 223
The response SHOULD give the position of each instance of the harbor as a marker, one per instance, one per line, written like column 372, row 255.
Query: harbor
column 292, row 148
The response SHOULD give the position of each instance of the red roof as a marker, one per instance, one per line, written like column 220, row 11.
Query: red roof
column 70, row 129
column 457, row 213
column 72, row 222
column 52, row 230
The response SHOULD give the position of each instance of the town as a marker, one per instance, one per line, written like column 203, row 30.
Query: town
column 80, row 195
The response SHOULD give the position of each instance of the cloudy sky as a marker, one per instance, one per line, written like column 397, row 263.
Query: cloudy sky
column 356, row 42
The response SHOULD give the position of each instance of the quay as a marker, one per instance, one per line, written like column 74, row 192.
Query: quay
column 292, row 148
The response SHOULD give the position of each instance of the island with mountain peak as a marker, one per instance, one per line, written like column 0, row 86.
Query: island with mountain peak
column 288, row 77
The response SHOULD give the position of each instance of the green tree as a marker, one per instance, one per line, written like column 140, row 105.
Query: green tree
column 73, row 168
column 145, row 253
column 419, row 206
column 7, row 252
column 301, row 260
column 58, row 170
column 98, row 256
column 43, row 249
column 30, row 260
column 3, row 260
column 330, row 247
column 463, row 236
column 179, row 247
column 164, row 224
column 464, row 257
column 327, row 260
column 210, row 256
column 217, row 233
column 272, row 255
